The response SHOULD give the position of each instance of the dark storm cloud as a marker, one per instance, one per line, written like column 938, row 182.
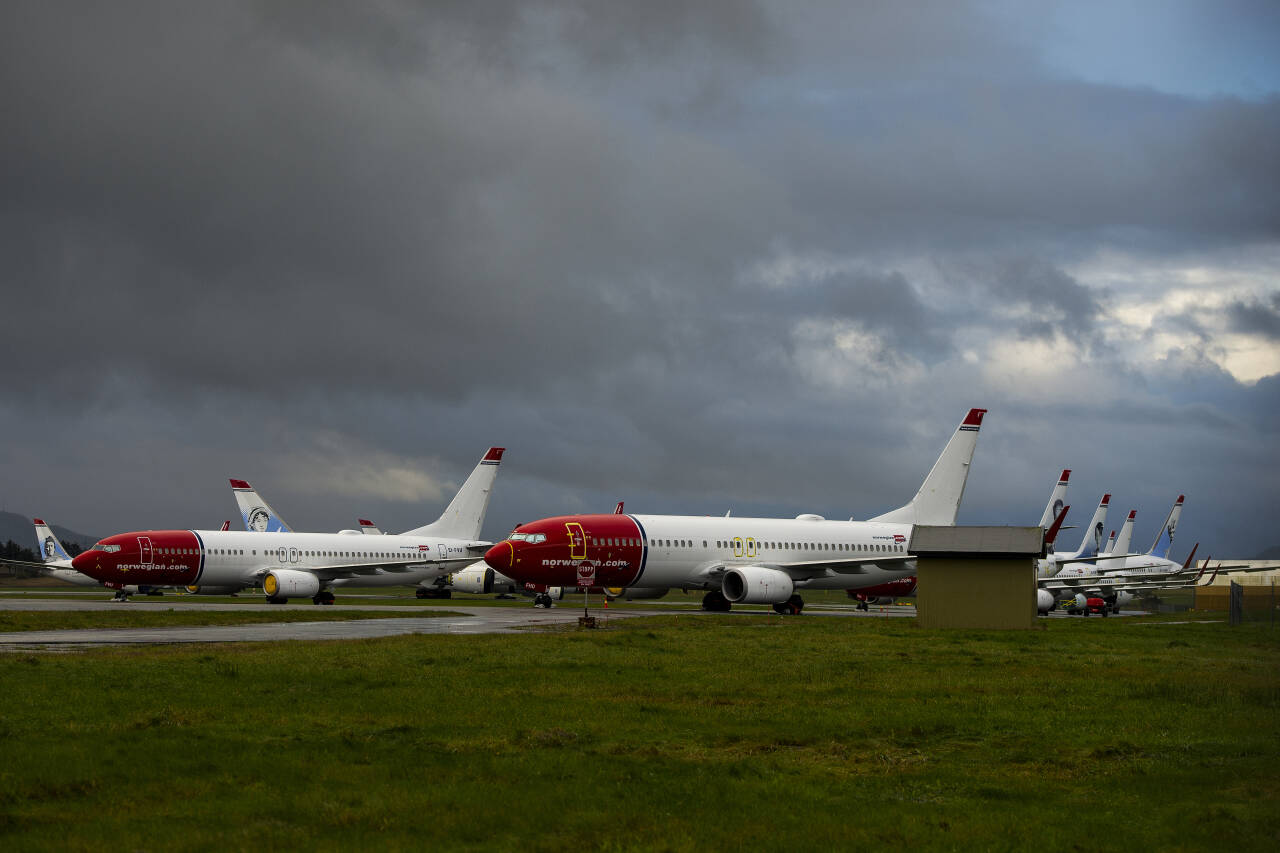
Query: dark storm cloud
column 285, row 231
column 1256, row 317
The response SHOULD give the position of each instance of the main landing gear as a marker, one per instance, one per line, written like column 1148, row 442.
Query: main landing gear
column 791, row 607
column 715, row 602
column 324, row 596
column 542, row 599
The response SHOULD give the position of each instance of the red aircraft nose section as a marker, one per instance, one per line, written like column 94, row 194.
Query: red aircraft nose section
column 85, row 563
column 572, row 551
column 501, row 557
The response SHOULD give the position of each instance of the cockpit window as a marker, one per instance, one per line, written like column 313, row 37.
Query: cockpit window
column 531, row 538
column 110, row 549
column 518, row 537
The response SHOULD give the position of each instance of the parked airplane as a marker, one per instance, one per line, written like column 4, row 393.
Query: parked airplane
column 55, row 562
column 296, row 565
column 1115, row 576
column 738, row 560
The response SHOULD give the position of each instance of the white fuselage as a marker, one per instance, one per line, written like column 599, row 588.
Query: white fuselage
column 238, row 556
column 681, row 547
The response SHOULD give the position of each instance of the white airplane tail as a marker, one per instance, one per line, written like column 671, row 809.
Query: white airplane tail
column 1056, row 499
column 257, row 513
column 1164, row 541
column 1125, row 539
column 1091, row 544
column 938, row 501
column 464, row 516
column 49, row 547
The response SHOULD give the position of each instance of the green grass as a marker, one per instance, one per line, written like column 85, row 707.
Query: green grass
column 156, row 617
column 678, row 732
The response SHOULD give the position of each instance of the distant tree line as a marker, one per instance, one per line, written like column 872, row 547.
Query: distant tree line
column 11, row 551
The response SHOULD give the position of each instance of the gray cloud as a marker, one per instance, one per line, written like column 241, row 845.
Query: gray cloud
column 1256, row 317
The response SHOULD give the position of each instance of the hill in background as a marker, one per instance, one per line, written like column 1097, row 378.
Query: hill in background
column 19, row 529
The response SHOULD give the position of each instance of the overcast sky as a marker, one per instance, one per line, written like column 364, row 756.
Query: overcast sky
column 698, row 256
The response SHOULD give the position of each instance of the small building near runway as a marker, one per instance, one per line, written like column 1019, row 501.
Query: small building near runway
column 976, row 577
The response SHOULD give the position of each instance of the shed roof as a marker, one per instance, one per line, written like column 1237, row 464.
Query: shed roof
column 977, row 541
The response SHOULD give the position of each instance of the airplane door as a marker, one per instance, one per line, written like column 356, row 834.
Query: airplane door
column 577, row 541
column 145, row 550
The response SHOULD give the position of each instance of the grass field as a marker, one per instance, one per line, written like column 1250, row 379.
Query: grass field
column 679, row 732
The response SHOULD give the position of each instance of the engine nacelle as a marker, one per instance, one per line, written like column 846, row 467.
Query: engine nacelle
column 1045, row 601
column 476, row 579
column 637, row 593
column 213, row 590
column 285, row 583
column 756, row 585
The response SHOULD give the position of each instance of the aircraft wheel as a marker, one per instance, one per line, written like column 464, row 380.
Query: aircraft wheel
column 783, row 608
column 274, row 599
column 796, row 603
column 715, row 602
column 419, row 593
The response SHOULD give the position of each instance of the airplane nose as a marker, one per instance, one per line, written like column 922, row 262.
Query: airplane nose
column 84, row 562
column 500, row 557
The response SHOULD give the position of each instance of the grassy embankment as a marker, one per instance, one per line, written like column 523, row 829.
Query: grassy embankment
column 676, row 732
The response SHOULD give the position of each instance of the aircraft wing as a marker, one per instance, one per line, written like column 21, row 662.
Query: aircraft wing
column 1084, row 583
column 358, row 570
column 814, row 568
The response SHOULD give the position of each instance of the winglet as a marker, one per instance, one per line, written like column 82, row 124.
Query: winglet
column 240, row 484
column 617, row 510
column 1191, row 557
column 226, row 525
column 494, row 456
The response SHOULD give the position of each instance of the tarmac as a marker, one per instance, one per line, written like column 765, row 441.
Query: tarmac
column 462, row 619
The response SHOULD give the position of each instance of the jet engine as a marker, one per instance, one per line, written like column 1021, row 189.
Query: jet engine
column 280, row 584
column 1045, row 601
column 756, row 585
column 476, row 579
